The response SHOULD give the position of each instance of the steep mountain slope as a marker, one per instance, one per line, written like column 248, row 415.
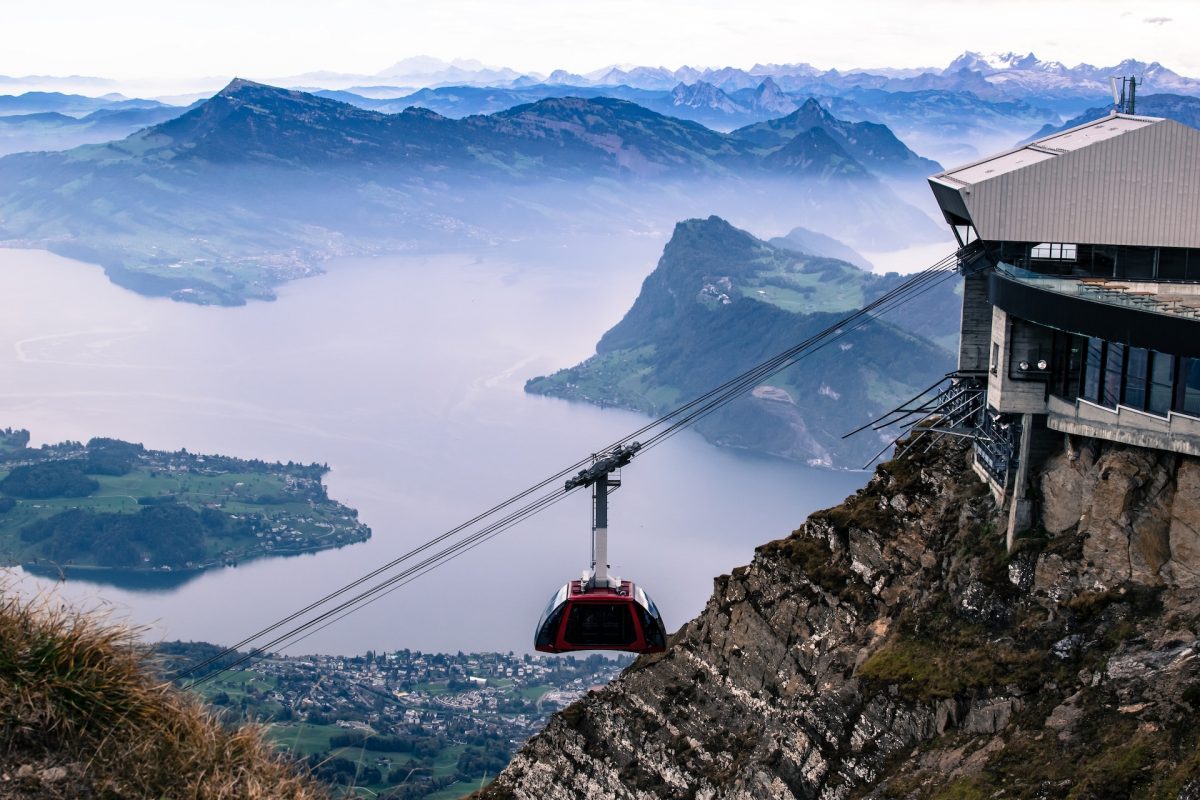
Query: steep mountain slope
column 952, row 126
column 871, row 144
column 889, row 648
column 803, row 240
column 704, row 97
column 258, row 185
column 932, row 121
column 815, row 151
column 640, row 141
column 771, row 100
column 560, row 134
column 721, row 301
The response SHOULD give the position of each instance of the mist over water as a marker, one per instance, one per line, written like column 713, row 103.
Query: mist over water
column 405, row 375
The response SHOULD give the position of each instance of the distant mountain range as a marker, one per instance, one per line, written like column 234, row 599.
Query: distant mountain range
column 279, row 180
column 720, row 301
column 992, row 76
column 54, row 130
column 1006, row 75
column 953, row 126
column 975, row 104
column 70, row 104
column 803, row 240
column 956, row 125
column 872, row 145
column 259, row 184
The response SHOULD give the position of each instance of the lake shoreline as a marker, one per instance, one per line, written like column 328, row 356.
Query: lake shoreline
column 142, row 578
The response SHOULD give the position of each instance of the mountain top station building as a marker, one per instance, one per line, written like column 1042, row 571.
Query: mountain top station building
column 1081, row 300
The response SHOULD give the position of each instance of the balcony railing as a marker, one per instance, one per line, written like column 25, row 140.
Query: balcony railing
column 1127, row 294
column 1175, row 432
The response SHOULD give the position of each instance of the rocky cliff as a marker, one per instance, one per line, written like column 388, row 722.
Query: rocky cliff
column 891, row 648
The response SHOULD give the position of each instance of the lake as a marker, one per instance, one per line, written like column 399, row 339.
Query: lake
column 405, row 375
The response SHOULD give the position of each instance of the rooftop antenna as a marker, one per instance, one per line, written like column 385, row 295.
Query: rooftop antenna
column 1124, row 100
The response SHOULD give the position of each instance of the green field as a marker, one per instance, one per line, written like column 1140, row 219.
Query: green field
column 534, row 692
column 305, row 740
column 120, row 494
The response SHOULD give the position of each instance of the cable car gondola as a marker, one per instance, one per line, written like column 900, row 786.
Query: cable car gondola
column 601, row 611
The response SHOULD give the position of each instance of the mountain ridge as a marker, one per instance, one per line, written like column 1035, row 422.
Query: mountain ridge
column 1028, row 66
column 871, row 144
column 282, row 179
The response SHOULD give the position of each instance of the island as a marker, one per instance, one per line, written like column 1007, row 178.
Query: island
column 111, row 505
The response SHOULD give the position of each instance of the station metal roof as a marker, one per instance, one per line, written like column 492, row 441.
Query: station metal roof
column 1121, row 180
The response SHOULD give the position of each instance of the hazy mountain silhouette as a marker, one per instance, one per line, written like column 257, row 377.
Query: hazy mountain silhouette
column 259, row 184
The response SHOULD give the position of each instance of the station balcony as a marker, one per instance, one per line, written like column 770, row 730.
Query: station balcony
column 1178, row 433
column 1176, row 299
column 1106, row 358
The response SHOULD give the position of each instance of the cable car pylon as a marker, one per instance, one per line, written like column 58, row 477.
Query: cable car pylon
column 604, row 476
column 601, row 611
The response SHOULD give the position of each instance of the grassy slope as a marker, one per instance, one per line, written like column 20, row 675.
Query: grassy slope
column 81, row 717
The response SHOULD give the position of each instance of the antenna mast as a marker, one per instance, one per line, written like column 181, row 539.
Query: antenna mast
column 1125, row 100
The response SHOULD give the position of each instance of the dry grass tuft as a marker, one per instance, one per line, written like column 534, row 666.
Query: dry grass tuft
column 82, row 716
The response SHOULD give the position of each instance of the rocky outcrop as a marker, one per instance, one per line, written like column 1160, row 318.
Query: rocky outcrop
column 891, row 648
column 1137, row 512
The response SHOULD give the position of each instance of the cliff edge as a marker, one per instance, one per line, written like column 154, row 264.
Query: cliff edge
column 891, row 648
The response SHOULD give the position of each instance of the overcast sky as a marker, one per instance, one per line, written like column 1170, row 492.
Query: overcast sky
column 265, row 38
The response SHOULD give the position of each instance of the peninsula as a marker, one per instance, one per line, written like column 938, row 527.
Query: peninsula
column 114, row 505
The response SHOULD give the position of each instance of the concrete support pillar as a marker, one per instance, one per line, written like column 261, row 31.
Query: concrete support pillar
column 1020, row 511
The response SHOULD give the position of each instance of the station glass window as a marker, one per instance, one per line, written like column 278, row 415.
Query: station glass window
column 1172, row 264
column 1104, row 261
column 1137, row 363
column 1162, row 379
column 1067, row 364
column 1091, row 370
column 1054, row 251
column 1135, row 263
column 1190, row 373
column 1114, row 364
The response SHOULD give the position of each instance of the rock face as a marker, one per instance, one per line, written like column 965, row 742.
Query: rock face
column 1137, row 511
column 890, row 648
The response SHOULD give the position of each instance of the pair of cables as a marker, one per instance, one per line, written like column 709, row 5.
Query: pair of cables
column 424, row 558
